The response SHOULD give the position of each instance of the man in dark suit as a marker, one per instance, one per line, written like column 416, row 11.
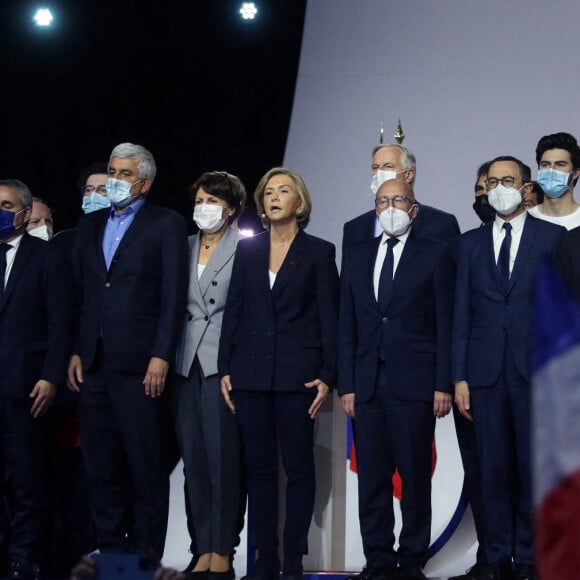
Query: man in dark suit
column 394, row 376
column 34, row 346
column 132, row 262
column 394, row 161
column 490, row 360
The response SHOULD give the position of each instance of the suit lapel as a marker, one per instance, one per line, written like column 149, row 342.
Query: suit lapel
column 290, row 264
column 528, row 235
column 193, row 279
column 18, row 267
column 487, row 232
column 411, row 252
column 141, row 222
column 98, row 234
column 220, row 257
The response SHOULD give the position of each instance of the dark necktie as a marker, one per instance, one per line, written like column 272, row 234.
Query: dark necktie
column 386, row 279
column 3, row 249
column 503, row 261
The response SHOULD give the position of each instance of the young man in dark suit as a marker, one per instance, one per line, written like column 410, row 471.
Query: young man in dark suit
column 494, row 310
column 34, row 345
column 394, row 376
column 133, row 272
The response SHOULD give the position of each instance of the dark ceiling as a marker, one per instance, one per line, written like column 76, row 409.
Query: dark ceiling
column 191, row 81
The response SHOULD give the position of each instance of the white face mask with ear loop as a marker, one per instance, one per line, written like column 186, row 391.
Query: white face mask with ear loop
column 505, row 200
column 208, row 217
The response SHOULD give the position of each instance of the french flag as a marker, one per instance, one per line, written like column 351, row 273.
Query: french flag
column 556, row 429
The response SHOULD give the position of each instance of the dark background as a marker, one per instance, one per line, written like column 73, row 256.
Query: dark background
column 198, row 86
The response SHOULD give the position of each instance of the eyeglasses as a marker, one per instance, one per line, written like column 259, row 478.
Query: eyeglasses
column 398, row 201
column 101, row 189
column 508, row 181
column 479, row 189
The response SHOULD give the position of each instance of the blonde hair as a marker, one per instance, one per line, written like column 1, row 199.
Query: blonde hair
column 303, row 217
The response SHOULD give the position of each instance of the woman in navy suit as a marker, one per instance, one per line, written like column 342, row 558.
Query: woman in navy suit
column 207, row 433
column 277, row 361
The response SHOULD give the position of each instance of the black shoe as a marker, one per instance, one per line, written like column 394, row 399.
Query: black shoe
column 266, row 569
column 476, row 572
column 525, row 572
column 410, row 572
column 373, row 572
column 24, row 570
column 227, row 575
column 192, row 564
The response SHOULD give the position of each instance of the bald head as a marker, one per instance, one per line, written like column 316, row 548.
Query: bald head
column 394, row 187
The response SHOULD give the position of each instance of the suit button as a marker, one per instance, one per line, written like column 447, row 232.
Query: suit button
column 214, row 282
column 253, row 333
column 211, row 301
column 385, row 320
column 206, row 318
column 253, row 357
column 107, row 284
column 268, row 356
column 271, row 333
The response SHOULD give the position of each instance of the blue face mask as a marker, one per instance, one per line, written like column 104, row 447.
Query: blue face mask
column 7, row 227
column 119, row 191
column 553, row 182
column 94, row 202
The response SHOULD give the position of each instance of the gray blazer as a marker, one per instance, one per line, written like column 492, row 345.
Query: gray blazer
column 205, row 305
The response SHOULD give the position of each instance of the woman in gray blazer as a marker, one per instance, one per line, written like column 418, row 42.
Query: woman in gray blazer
column 206, row 431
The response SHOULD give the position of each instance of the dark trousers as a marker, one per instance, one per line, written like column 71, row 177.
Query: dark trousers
column 501, row 415
column 267, row 419
column 209, row 440
column 472, row 479
column 124, row 442
column 23, row 459
column 391, row 433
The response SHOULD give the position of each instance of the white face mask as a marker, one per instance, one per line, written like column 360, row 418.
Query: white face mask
column 41, row 232
column 504, row 200
column 394, row 222
column 380, row 177
column 208, row 217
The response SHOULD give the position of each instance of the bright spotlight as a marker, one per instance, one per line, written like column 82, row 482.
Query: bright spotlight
column 43, row 17
column 248, row 11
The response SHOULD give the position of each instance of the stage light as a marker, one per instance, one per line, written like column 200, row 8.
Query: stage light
column 43, row 17
column 248, row 11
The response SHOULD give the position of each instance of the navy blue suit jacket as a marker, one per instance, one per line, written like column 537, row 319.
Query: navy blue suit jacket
column 281, row 338
column 35, row 319
column 416, row 326
column 486, row 317
column 136, row 306
column 429, row 223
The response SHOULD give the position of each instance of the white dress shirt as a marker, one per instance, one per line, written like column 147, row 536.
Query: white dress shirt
column 499, row 234
column 382, row 254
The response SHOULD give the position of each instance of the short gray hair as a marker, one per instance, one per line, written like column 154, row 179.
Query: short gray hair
column 21, row 188
column 408, row 159
column 144, row 158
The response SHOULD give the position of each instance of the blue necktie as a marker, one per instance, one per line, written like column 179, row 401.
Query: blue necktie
column 3, row 249
column 386, row 279
column 503, row 261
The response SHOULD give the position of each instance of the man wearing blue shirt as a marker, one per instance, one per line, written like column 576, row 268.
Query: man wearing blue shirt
column 132, row 270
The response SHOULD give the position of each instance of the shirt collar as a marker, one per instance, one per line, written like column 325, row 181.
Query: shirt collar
column 132, row 209
column 517, row 223
column 15, row 243
column 402, row 238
